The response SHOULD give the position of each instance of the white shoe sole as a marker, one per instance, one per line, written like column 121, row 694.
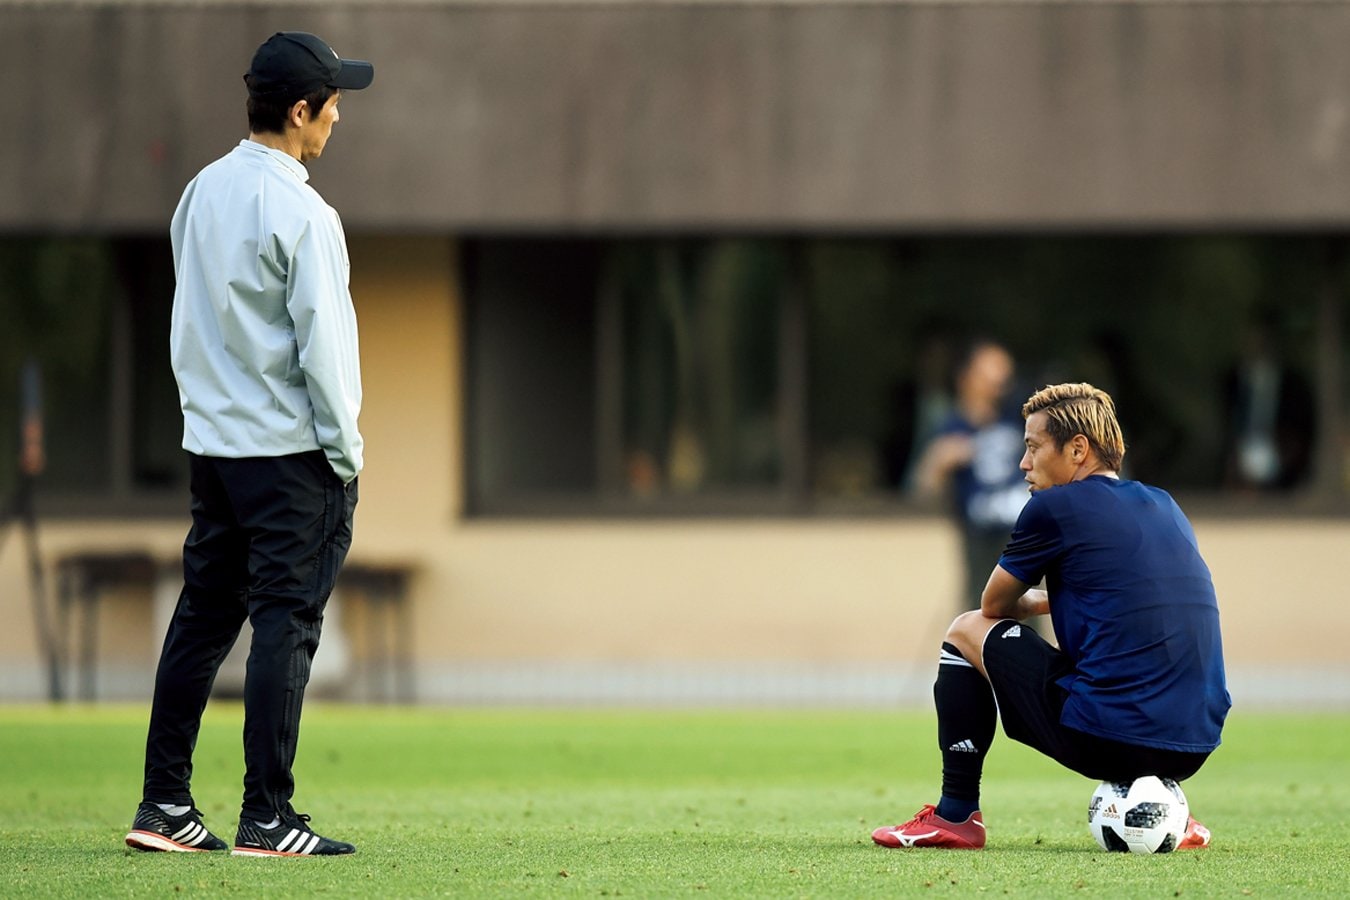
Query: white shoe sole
column 148, row 840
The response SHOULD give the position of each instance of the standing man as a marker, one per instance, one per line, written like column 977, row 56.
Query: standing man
column 1136, row 686
column 975, row 453
column 264, row 349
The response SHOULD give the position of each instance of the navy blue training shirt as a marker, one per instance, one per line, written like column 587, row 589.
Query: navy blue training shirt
column 1133, row 608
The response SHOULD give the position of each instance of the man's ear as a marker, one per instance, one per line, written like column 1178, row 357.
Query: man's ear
column 1079, row 447
column 297, row 113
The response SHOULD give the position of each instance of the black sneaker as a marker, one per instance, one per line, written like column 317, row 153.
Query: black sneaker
column 154, row 829
column 292, row 837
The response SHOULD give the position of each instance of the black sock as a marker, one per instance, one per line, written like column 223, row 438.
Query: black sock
column 967, row 717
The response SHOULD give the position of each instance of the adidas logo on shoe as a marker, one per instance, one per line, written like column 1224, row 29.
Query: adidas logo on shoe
column 291, row 836
column 154, row 829
column 965, row 746
column 1015, row 631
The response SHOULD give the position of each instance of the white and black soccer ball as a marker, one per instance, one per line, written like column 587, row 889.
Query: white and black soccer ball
column 1148, row 815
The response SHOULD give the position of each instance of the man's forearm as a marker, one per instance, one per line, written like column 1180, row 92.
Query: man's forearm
column 1007, row 598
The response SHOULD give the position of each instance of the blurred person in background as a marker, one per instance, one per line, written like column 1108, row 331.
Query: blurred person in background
column 1271, row 412
column 264, row 349
column 975, row 456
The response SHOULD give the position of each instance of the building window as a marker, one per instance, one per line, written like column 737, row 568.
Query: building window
column 632, row 374
column 781, row 374
column 691, row 341
column 91, row 315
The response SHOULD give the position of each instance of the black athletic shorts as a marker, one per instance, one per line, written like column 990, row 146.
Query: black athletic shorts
column 1024, row 670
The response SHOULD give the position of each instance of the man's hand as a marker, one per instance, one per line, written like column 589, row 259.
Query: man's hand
column 942, row 456
column 1036, row 602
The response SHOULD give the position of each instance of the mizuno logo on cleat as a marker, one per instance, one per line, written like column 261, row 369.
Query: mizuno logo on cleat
column 1015, row 631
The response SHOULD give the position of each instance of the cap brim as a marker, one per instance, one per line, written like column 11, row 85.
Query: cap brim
column 354, row 75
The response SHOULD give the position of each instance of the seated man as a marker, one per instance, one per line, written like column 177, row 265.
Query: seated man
column 1136, row 686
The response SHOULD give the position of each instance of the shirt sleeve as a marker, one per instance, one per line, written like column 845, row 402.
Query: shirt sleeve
column 1037, row 541
column 320, row 305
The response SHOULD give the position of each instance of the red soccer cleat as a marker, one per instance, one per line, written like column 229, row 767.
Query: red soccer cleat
column 928, row 829
column 1196, row 836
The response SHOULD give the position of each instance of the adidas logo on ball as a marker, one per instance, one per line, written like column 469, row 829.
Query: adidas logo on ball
column 1147, row 815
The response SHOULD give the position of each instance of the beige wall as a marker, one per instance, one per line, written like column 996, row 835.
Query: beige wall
column 827, row 595
column 822, row 595
column 409, row 314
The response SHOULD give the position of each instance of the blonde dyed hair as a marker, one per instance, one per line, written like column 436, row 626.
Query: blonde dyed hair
column 1072, row 409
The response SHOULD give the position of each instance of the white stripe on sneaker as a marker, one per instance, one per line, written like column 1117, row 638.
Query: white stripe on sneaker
column 186, row 834
column 289, row 839
column 309, row 848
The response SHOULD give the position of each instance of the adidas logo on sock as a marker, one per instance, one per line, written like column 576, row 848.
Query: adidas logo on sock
column 965, row 746
column 1015, row 631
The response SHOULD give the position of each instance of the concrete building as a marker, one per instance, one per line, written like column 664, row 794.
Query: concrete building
column 508, row 551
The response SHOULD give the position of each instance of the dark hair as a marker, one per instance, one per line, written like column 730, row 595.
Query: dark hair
column 971, row 349
column 267, row 113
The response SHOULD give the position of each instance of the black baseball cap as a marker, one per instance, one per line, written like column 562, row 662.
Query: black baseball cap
column 296, row 62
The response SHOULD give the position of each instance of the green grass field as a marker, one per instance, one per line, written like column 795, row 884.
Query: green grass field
column 639, row 804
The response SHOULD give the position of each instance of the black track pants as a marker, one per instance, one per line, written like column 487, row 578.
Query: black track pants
column 268, row 537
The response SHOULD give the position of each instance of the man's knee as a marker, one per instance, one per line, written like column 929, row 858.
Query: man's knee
column 966, row 624
column 967, row 633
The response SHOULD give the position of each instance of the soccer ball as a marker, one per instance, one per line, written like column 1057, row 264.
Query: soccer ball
column 1148, row 815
